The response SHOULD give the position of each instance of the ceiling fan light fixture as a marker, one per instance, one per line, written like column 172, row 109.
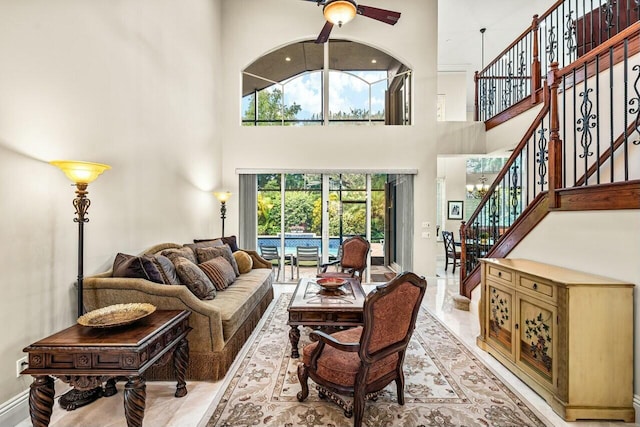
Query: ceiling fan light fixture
column 339, row 12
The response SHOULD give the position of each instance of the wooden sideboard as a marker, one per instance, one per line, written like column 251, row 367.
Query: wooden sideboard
column 565, row 333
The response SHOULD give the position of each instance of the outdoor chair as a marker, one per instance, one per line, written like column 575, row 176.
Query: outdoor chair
column 450, row 250
column 307, row 256
column 353, row 261
column 364, row 360
column 271, row 254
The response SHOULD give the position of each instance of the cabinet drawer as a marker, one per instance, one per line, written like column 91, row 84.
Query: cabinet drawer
column 499, row 273
column 536, row 286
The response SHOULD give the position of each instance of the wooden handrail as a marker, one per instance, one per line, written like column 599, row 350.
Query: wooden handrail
column 630, row 32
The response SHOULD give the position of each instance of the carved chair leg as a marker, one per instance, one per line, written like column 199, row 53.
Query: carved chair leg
column 110, row 387
column 400, row 386
column 358, row 405
column 41, row 400
column 303, row 376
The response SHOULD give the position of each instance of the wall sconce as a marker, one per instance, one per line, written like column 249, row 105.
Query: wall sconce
column 479, row 190
column 81, row 174
column 222, row 197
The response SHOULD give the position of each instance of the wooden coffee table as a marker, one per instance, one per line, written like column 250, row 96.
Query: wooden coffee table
column 87, row 357
column 312, row 306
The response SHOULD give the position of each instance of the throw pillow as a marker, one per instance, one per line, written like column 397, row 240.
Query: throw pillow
column 219, row 271
column 191, row 276
column 166, row 269
column 205, row 254
column 138, row 267
column 184, row 252
column 244, row 261
column 229, row 240
column 204, row 244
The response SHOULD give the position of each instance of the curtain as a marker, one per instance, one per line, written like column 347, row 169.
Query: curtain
column 248, row 212
column 403, row 220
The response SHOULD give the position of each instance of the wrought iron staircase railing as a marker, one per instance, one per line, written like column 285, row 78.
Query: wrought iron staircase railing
column 564, row 33
column 586, row 135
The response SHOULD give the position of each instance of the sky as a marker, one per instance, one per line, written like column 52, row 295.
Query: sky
column 346, row 92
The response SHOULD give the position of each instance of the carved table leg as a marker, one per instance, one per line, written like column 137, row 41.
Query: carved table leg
column 294, row 337
column 135, row 392
column 41, row 400
column 110, row 387
column 180, row 364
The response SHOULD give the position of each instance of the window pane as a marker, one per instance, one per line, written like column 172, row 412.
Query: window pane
column 303, row 96
column 348, row 97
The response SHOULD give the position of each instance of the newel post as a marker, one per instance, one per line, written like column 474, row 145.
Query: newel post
column 536, row 72
column 555, row 143
column 476, row 113
column 463, row 255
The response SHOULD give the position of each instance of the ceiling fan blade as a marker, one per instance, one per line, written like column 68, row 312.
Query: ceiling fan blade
column 387, row 16
column 324, row 34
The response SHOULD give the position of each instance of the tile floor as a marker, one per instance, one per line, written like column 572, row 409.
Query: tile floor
column 162, row 409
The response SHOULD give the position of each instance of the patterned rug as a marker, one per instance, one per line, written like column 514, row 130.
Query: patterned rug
column 446, row 386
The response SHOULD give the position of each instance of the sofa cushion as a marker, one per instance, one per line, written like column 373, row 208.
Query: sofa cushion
column 240, row 299
column 137, row 267
column 244, row 261
column 166, row 268
column 229, row 240
column 219, row 271
column 205, row 254
column 185, row 252
column 194, row 278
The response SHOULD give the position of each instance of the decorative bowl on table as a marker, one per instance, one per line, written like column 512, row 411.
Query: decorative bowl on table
column 331, row 283
column 116, row 315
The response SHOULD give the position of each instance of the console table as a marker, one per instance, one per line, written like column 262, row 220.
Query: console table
column 87, row 357
column 565, row 333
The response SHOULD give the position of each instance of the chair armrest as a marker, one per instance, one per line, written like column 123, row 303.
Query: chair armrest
column 325, row 338
column 328, row 264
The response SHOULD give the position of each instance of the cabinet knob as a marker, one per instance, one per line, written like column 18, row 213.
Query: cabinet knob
column 535, row 286
column 499, row 273
column 517, row 326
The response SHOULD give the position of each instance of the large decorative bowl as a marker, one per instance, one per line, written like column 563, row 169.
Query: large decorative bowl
column 116, row 315
column 331, row 283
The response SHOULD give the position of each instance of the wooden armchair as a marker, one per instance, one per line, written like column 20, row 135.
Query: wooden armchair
column 353, row 261
column 364, row 360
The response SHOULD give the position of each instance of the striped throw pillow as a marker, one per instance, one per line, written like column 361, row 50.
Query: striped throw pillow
column 219, row 271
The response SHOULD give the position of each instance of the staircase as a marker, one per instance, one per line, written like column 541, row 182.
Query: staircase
column 582, row 150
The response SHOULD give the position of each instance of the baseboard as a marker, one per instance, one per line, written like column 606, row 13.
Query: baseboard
column 15, row 410
column 636, row 405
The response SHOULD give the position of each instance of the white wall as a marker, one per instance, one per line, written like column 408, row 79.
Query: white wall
column 597, row 242
column 412, row 40
column 454, row 170
column 453, row 86
column 129, row 83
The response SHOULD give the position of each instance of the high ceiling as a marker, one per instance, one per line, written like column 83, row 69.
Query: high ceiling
column 459, row 43
column 296, row 58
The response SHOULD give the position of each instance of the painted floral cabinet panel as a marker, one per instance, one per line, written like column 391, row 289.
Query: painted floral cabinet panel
column 501, row 317
column 536, row 331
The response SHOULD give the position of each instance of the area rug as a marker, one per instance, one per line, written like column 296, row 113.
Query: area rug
column 446, row 386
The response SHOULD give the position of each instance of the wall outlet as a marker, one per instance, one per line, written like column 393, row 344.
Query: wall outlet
column 426, row 235
column 21, row 364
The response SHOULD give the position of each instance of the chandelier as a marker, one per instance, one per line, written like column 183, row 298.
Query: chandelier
column 479, row 190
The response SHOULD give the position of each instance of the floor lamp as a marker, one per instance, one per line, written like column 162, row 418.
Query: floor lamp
column 81, row 174
column 223, row 196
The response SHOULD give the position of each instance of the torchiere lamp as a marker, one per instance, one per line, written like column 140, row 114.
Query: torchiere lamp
column 81, row 174
column 223, row 196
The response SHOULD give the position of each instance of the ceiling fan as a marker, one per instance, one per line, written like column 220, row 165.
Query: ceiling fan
column 339, row 12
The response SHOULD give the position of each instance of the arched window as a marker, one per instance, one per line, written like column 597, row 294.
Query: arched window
column 302, row 84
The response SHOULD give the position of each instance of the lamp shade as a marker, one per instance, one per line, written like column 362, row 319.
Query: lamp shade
column 339, row 12
column 80, row 172
column 222, row 196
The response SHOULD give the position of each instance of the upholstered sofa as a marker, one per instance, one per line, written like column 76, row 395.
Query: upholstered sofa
column 220, row 325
